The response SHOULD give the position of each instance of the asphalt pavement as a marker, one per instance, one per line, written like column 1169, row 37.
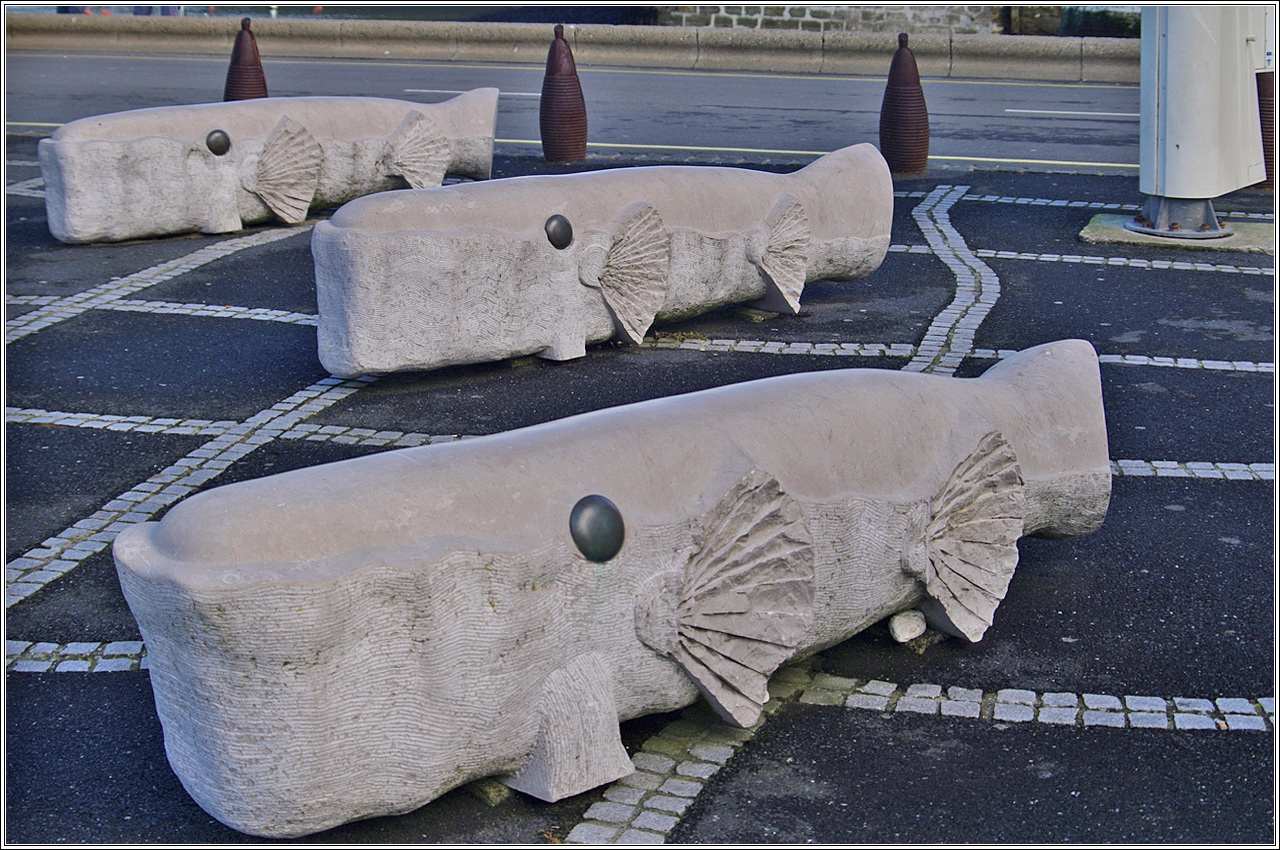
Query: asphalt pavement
column 1124, row 694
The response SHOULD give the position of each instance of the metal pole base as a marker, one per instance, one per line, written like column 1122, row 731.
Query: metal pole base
column 1179, row 218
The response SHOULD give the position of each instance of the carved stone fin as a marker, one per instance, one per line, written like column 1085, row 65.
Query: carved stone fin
column 747, row 596
column 289, row 171
column 634, row 277
column 978, row 516
column 785, row 260
column 579, row 746
column 418, row 153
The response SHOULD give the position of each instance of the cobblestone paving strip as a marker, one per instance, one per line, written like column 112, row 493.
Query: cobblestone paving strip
column 261, row 314
column 1128, row 262
column 1014, row 705
column 116, row 422
column 115, row 290
column 898, row 349
column 672, row 768
column 1092, row 205
column 1195, row 469
column 33, row 188
column 65, row 551
column 117, row 656
column 950, row 337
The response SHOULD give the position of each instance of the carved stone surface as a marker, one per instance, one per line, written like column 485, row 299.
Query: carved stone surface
column 547, row 264
column 357, row 638
column 217, row 167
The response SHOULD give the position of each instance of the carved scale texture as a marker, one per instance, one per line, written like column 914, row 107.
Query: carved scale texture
column 977, row 518
column 418, row 153
column 747, row 596
column 288, row 170
column 634, row 279
column 786, row 254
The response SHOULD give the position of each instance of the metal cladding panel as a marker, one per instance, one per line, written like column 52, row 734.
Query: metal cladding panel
column 1200, row 132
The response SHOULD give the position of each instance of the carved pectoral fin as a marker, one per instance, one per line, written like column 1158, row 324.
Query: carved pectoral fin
column 784, row 261
column 579, row 746
column 289, row 171
column 978, row 516
column 747, row 596
column 417, row 152
column 633, row 277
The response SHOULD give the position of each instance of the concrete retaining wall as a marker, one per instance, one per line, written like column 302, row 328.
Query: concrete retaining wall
column 682, row 48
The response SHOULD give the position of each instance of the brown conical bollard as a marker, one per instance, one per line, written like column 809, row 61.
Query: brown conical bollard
column 563, row 113
column 904, row 119
column 245, row 80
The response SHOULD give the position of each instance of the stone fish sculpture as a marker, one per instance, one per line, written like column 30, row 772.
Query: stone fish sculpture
column 357, row 638
column 217, row 167
column 546, row 264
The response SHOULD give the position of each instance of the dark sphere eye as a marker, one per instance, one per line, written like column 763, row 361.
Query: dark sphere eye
column 597, row 528
column 559, row 232
column 218, row 142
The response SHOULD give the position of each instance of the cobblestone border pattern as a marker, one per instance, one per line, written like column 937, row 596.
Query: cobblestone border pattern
column 673, row 766
column 63, row 552
column 1013, row 705
column 115, row 290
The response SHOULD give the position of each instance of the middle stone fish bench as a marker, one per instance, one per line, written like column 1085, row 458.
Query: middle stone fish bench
column 425, row 278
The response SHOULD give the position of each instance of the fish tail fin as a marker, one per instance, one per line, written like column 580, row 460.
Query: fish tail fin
column 1056, row 391
column 784, row 261
column 971, row 540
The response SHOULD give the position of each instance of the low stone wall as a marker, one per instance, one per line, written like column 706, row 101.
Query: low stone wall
column 931, row 20
column 1044, row 58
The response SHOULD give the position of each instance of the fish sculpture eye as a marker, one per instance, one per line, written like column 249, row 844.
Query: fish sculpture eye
column 218, row 142
column 559, row 232
column 597, row 528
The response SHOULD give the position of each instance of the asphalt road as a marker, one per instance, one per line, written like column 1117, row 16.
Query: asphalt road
column 970, row 122
column 1124, row 694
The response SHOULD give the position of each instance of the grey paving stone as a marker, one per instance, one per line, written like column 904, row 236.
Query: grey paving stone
column 640, row 836
column 623, row 794
column 610, row 812
column 718, row 753
column 697, row 769
column 1187, row 704
column 1016, row 696
column 879, row 688
column 642, row 779
column 655, row 821
column 1013, row 713
column 114, row 665
column 1058, row 715
column 1246, row 721
column 1104, row 718
column 874, row 703
column 1103, row 701
column 681, row 787
column 1139, row 703
column 960, row 708
column 965, row 694
column 1193, row 721
column 924, row 691
column 1060, row 700
column 918, row 706
column 1148, row 720
column 653, row 762
column 591, row 833
column 662, row 802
